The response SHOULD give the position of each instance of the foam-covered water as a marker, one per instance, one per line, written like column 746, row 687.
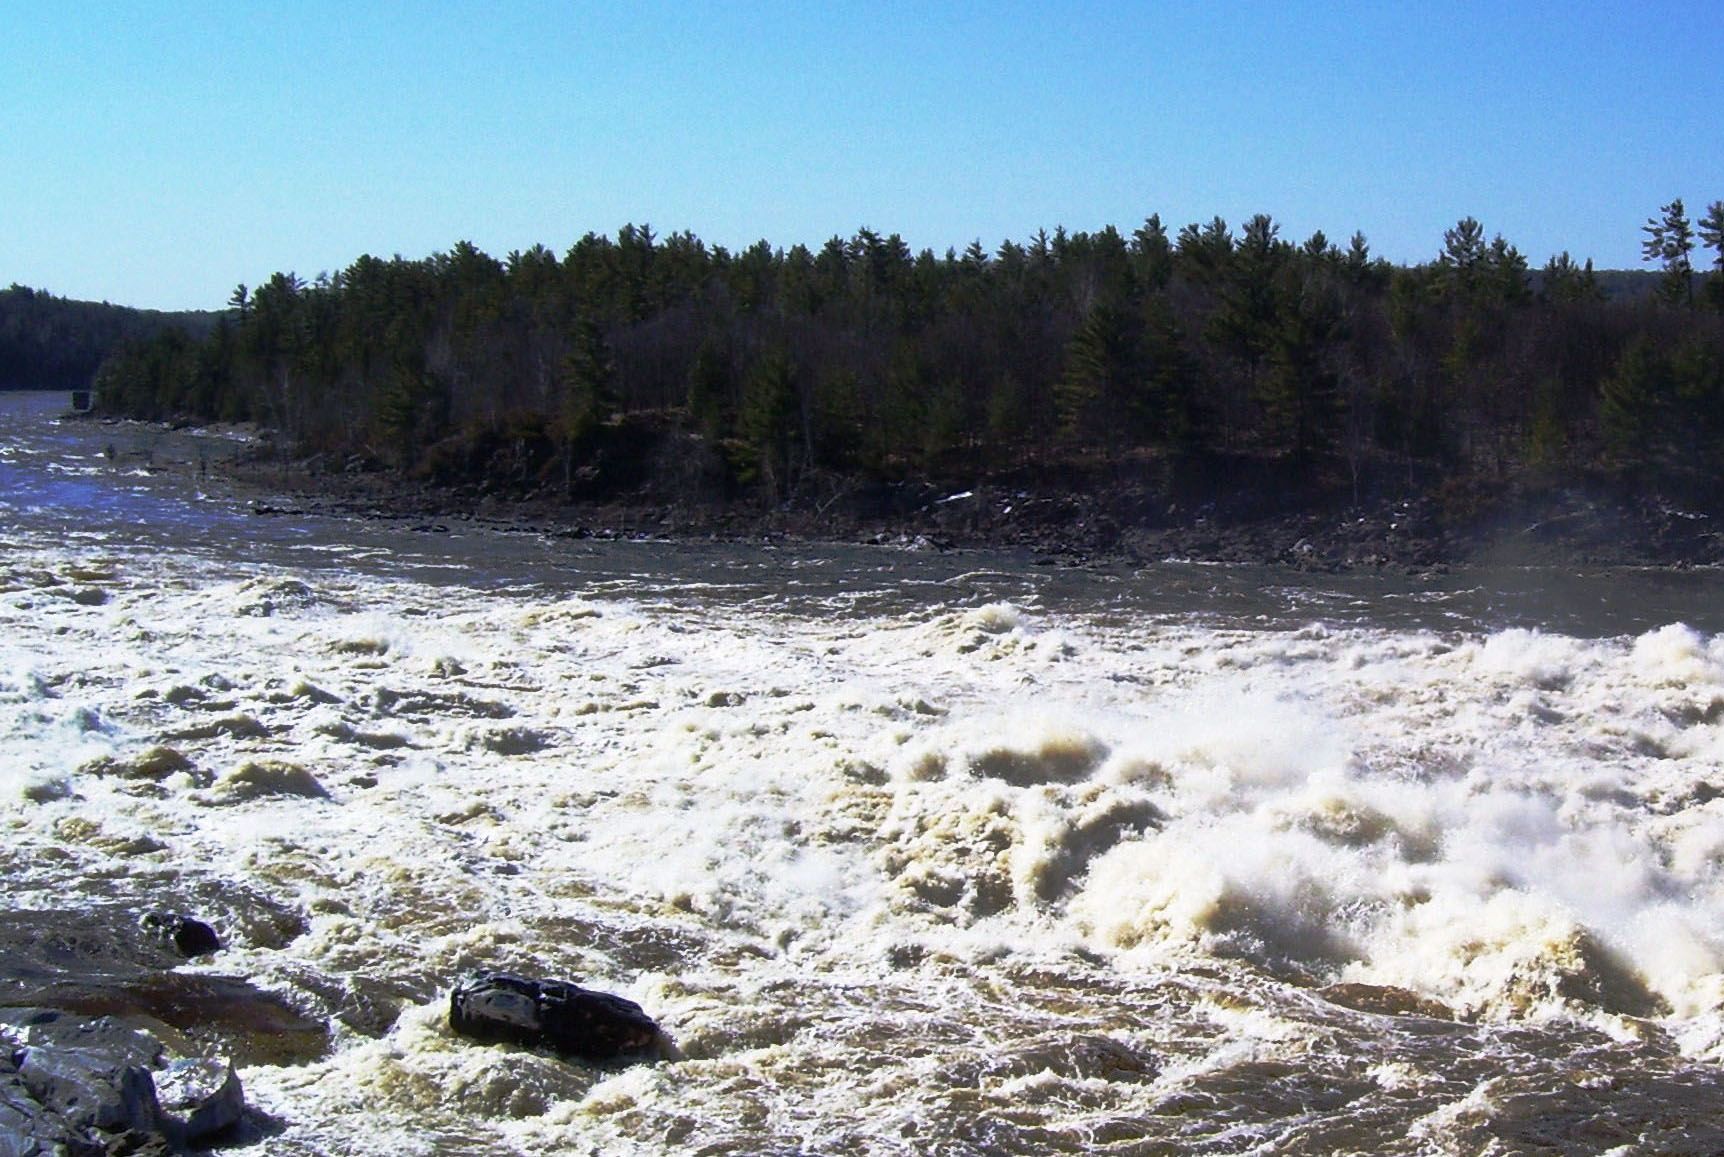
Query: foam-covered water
column 930, row 855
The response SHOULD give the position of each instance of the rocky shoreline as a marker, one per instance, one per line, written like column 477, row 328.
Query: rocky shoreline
column 1241, row 512
column 1133, row 525
column 110, row 1046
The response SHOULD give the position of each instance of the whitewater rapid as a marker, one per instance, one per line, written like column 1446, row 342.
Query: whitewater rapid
column 942, row 874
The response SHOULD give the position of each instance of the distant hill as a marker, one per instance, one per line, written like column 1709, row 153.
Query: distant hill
column 1625, row 286
column 53, row 343
column 1628, row 284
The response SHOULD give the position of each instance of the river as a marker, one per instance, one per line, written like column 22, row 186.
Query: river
column 910, row 852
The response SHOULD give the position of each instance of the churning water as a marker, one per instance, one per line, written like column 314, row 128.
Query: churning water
column 910, row 853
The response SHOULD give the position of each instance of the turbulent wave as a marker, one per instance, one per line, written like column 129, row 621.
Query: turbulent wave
column 944, row 879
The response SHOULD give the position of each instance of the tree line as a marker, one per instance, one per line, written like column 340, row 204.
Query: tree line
column 49, row 342
column 773, row 372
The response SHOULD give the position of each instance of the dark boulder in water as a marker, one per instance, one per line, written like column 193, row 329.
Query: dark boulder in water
column 554, row 1014
column 185, row 934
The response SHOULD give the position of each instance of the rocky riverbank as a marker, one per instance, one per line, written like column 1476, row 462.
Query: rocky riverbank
column 1244, row 510
column 1126, row 522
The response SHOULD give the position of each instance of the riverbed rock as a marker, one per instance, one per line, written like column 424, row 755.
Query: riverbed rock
column 1385, row 1000
column 94, row 1074
column 187, row 935
column 553, row 1014
column 199, row 1097
column 103, row 961
column 154, row 765
column 79, row 1085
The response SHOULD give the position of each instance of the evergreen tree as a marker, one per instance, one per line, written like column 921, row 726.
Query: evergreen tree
column 1204, row 251
column 1009, row 412
column 1169, row 410
column 1507, row 274
column 1102, row 378
column 1565, row 283
column 1152, row 254
column 406, row 413
column 1697, row 424
column 1464, row 257
column 1245, row 320
column 766, row 426
column 1318, row 248
column 1712, row 236
column 588, row 395
column 1301, row 393
column 1358, row 259
column 1547, row 435
column 1670, row 241
column 710, row 388
column 1629, row 406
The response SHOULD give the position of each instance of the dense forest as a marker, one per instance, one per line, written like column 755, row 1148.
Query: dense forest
column 54, row 343
column 670, row 369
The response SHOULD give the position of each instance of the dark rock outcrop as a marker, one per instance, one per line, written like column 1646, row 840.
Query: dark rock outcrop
column 554, row 1014
column 199, row 1097
column 106, row 961
column 91, row 1074
column 77, row 1085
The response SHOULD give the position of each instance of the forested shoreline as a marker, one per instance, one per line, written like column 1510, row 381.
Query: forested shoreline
column 49, row 342
column 1181, row 365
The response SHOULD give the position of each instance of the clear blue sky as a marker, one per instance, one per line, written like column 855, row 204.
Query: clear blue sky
column 156, row 154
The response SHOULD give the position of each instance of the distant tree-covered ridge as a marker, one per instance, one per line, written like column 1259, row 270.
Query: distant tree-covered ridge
column 52, row 343
column 776, row 373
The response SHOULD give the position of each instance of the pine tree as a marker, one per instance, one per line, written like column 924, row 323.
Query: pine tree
column 588, row 394
column 1629, row 404
column 1245, row 320
column 1301, row 393
column 1507, row 273
column 767, row 423
column 1565, row 283
column 1712, row 236
column 1463, row 257
column 1152, row 254
column 1169, row 412
column 1670, row 241
column 710, row 387
column 1102, row 377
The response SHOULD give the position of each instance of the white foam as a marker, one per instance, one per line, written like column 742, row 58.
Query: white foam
column 793, row 836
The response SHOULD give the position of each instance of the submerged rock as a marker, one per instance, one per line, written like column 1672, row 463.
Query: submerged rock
column 261, row 778
column 1385, row 1000
column 155, row 764
column 568, row 1019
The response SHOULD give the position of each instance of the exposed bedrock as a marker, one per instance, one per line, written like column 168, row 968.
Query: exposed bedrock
column 81, row 1085
column 106, row 961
